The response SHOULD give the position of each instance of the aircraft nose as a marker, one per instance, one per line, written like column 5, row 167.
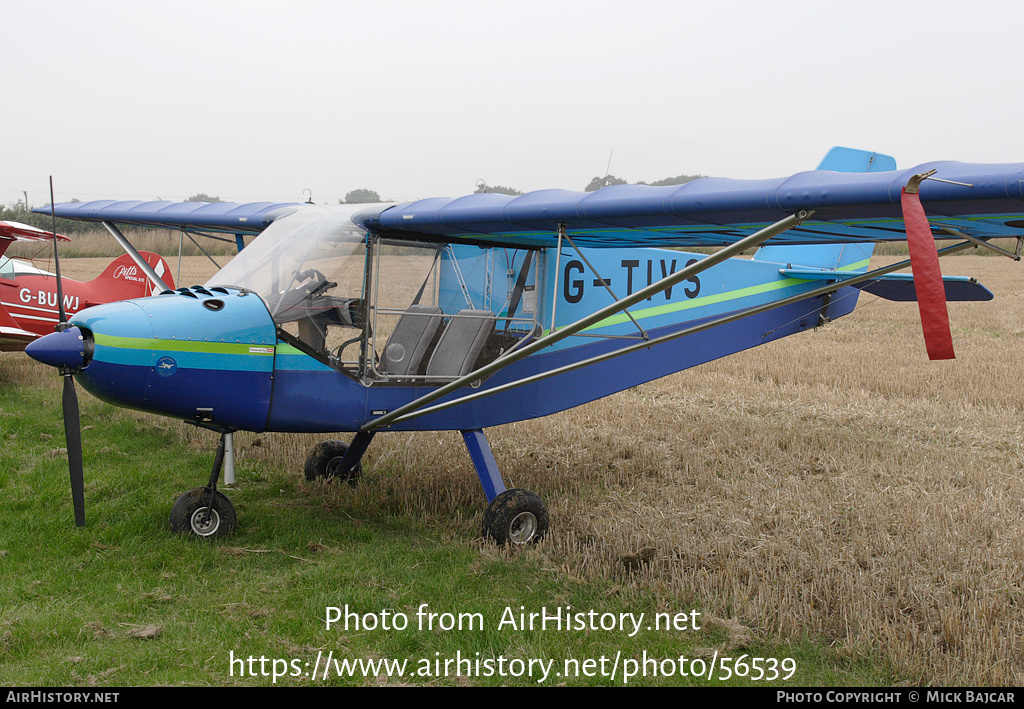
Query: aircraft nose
column 69, row 349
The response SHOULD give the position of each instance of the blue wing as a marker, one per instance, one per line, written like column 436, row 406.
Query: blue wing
column 229, row 217
column 849, row 208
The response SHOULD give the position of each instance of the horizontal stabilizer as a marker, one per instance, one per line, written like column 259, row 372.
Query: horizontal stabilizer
column 897, row 286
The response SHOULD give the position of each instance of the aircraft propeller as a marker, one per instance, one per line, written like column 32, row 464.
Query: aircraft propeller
column 66, row 350
column 73, row 435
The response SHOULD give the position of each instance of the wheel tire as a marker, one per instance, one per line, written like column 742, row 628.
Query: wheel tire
column 517, row 517
column 324, row 460
column 189, row 510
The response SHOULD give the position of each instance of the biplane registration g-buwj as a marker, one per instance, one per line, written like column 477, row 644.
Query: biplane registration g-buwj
column 28, row 294
column 460, row 314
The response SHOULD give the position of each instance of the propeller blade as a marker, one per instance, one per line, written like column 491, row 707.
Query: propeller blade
column 73, row 435
column 62, row 315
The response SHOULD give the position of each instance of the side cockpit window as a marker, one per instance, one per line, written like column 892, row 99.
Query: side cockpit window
column 309, row 268
column 386, row 312
column 325, row 314
column 439, row 312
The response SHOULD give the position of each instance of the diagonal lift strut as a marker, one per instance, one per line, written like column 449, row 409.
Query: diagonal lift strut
column 514, row 356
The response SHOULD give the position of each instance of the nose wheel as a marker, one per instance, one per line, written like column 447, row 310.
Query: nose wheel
column 193, row 515
column 205, row 512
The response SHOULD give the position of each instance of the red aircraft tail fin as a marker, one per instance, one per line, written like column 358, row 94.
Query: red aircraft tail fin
column 123, row 279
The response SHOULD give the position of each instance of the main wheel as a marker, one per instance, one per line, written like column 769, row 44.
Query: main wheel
column 516, row 517
column 324, row 462
column 190, row 514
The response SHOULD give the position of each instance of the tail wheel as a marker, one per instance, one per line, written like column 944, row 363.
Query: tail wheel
column 324, row 463
column 192, row 515
column 516, row 517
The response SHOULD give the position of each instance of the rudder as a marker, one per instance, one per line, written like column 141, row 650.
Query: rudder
column 846, row 257
column 123, row 279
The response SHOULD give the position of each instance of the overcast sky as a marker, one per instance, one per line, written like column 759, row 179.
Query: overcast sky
column 254, row 100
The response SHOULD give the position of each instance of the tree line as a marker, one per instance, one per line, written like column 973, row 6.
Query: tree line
column 20, row 212
column 594, row 185
column 364, row 195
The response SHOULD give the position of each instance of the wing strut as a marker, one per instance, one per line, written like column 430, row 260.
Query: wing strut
column 136, row 256
column 984, row 244
column 604, row 282
column 672, row 279
column 823, row 290
column 924, row 260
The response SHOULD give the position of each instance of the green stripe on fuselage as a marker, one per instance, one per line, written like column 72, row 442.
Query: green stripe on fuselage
column 668, row 308
column 195, row 346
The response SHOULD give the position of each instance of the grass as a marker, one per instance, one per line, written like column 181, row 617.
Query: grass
column 832, row 498
column 124, row 602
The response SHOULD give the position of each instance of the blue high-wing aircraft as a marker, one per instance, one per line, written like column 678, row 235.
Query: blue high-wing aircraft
column 473, row 312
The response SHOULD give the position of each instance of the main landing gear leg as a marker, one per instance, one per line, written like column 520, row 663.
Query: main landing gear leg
column 515, row 516
column 205, row 511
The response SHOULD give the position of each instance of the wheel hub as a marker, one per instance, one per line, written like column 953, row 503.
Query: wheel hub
column 203, row 526
column 523, row 527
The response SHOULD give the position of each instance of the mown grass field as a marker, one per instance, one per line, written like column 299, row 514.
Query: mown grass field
column 833, row 498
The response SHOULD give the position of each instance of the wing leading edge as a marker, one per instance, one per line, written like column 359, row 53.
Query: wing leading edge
column 228, row 217
column 849, row 208
column 980, row 200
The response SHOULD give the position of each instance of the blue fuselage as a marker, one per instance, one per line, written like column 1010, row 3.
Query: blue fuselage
column 215, row 355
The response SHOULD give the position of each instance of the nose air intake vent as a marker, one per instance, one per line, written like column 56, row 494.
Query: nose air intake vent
column 190, row 292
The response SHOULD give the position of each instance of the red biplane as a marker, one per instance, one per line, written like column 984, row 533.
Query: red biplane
column 28, row 294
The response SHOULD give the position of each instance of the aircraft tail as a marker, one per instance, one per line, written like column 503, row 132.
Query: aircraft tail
column 123, row 279
column 846, row 257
